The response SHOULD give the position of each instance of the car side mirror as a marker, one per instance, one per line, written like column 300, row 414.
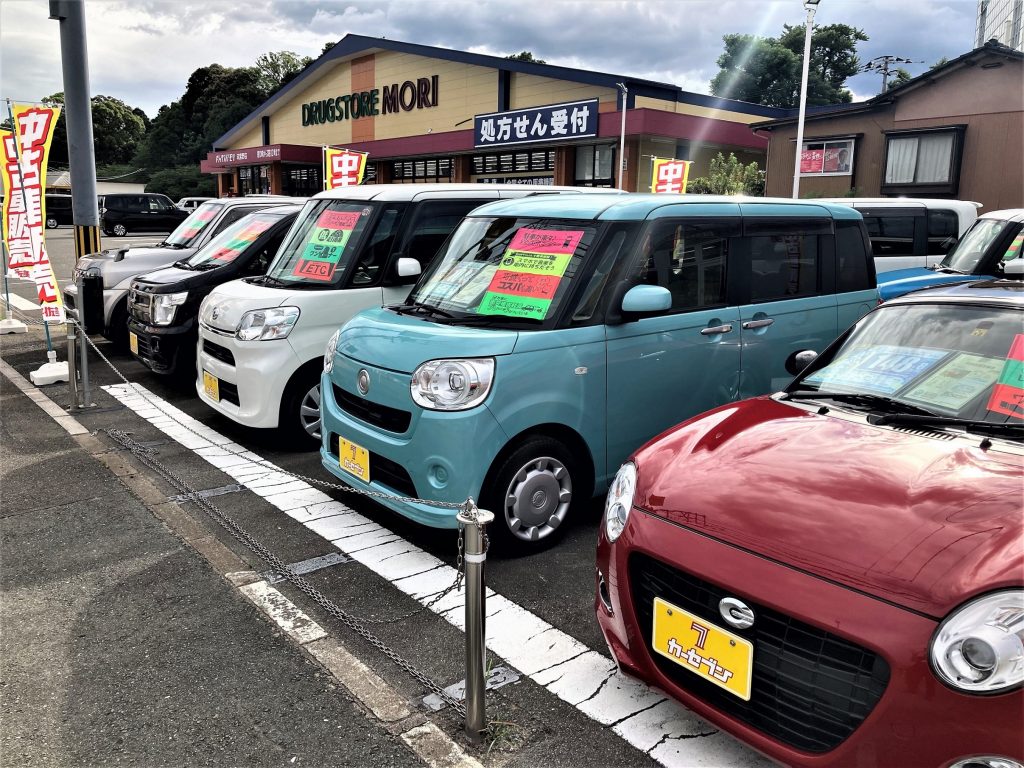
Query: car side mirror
column 796, row 362
column 1014, row 268
column 406, row 267
column 646, row 299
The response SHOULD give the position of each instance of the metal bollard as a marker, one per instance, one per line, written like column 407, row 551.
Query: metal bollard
column 83, row 356
column 474, row 522
column 72, row 367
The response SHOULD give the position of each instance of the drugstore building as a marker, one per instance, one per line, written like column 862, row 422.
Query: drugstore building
column 426, row 114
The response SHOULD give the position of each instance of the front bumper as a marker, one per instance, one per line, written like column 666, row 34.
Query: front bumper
column 438, row 456
column 916, row 721
column 253, row 376
column 165, row 349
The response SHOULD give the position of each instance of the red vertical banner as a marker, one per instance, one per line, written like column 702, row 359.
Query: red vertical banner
column 24, row 156
column 343, row 168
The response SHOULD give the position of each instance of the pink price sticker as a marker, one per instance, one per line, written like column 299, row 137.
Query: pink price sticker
column 558, row 241
column 338, row 220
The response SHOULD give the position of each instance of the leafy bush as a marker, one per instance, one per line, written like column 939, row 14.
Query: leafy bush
column 729, row 177
column 184, row 181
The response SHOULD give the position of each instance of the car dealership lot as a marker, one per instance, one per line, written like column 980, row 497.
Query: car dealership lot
column 569, row 707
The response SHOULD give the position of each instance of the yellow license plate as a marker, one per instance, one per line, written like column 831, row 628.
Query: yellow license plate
column 354, row 459
column 211, row 386
column 133, row 343
column 706, row 650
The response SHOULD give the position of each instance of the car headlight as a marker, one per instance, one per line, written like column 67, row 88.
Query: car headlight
column 452, row 385
column 164, row 306
column 619, row 501
column 979, row 648
column 267, row 324
column 332, row 347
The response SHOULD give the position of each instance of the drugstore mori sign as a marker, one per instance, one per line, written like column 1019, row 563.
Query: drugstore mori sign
column 397, row 97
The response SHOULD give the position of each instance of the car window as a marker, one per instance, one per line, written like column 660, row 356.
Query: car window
column 231, row 216
column 975, row 244
column 611, row 262
column 943, row 229
column 378, row 248
column 688, row 259
column 853, row 258
column 891, row 234
column 784, row 257
column 434, row 222
column 233, row 241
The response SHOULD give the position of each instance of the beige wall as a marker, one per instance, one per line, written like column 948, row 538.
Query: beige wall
column 532, row 91
column 644, row 102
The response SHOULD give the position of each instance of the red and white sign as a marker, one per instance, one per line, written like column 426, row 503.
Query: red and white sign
column 344, row 168
column 24, row 153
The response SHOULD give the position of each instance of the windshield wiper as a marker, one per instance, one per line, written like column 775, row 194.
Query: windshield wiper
column 267, row 280
column 491, row 319
column 970, row 425
column 202, row 267
column 182, row 264
column 881, row 402
column 431, row 309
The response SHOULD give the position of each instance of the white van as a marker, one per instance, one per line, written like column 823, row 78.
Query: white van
column 262, row 339
column 909, row 231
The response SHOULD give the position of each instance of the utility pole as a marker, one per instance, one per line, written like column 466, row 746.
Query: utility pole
column 78, row 116
column 881, row 64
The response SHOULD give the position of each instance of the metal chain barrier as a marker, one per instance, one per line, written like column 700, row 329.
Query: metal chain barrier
column 470, row 558
column 278, row 566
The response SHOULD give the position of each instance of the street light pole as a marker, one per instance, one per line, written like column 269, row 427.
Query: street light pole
column 811, row 6
column 622, row 134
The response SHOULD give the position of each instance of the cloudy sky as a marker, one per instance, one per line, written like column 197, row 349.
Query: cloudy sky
column 143, row 51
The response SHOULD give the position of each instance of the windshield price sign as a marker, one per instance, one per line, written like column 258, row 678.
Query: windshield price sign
column 325, row 245
column 529, row 273
column 1008, row 394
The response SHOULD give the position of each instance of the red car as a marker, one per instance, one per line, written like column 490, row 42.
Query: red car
column 835, row 573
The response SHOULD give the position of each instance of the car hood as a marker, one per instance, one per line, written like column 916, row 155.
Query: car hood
column 224, row 307
column 170, row 279
column 917, row 520
column 118, row 264
column 386, row 339
column 900, row 281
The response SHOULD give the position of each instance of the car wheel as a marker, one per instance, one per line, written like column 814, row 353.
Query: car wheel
column 120, row 230
column 300, row 411
column 51, row 222
column 531, row 494
column 117, row 333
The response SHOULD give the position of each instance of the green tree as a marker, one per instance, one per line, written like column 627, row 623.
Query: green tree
column 525, row 56
column 767, row 70
column 898, row 77
column 728, row 176
column 183, row 181
column 117, row 130
column 327, row 46
column 276, row 68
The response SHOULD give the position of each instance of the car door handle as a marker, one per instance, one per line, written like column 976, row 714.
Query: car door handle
column 716, row 329
column 751, row 324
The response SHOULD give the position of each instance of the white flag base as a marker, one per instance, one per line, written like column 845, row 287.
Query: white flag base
column 50, row 372
column 10, row 325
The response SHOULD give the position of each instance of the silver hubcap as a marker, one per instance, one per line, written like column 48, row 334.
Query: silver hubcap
column 309, row 412
column 120, row 231
column 538, row 498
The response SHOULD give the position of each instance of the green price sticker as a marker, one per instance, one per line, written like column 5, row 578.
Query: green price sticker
column 513, row 306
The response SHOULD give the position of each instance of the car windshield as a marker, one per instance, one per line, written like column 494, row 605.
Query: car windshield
column 510, row 269
column 975, row 243
column 232, row 242
column 188, row 231
column 320, row 245
column 950, row 360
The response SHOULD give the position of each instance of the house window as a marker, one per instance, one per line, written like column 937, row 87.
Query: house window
column 923, row 161
column 594, row 165
column 833, row 157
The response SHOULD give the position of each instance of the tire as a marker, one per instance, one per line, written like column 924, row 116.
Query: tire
column 117, row 333
column 531, row 495
column 51, row 222
column 120, row 230
column 299, row 421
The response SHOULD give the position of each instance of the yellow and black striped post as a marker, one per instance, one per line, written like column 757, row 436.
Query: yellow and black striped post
column 87, row 240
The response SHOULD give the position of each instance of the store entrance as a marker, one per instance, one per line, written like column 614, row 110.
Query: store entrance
column 254, row 180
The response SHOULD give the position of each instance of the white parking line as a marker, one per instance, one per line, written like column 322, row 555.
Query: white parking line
column 19, row 302
column 588, row 680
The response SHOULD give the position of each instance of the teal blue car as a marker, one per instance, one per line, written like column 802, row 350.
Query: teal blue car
column 551, row 337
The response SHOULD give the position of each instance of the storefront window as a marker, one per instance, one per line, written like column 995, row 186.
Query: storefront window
column 437, row 169
column 301, row 180
column 513, row 162
column 594, row 164
column 254, row 180
column 827, row 158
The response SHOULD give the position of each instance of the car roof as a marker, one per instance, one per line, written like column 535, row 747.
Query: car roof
column 277, row 210
column 411, row 192
column 902, row 202
column 259, row 200
column 1004, row 291
column 637, row 207
column 1007, row 214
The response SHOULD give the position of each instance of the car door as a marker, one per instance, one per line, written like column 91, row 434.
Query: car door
column 136, row 212
column 790, row 289
column 665, row 368
column 899, row 236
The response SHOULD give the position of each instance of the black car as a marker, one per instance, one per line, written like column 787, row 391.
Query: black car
column 58, row 210
column 139, row 212
column 163, row 305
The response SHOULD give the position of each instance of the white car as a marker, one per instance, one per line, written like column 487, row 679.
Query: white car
column 262, row 339
column 191, row 203
column 909, row 231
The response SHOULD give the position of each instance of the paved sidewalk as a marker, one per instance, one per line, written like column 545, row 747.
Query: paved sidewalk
column 120, row 645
